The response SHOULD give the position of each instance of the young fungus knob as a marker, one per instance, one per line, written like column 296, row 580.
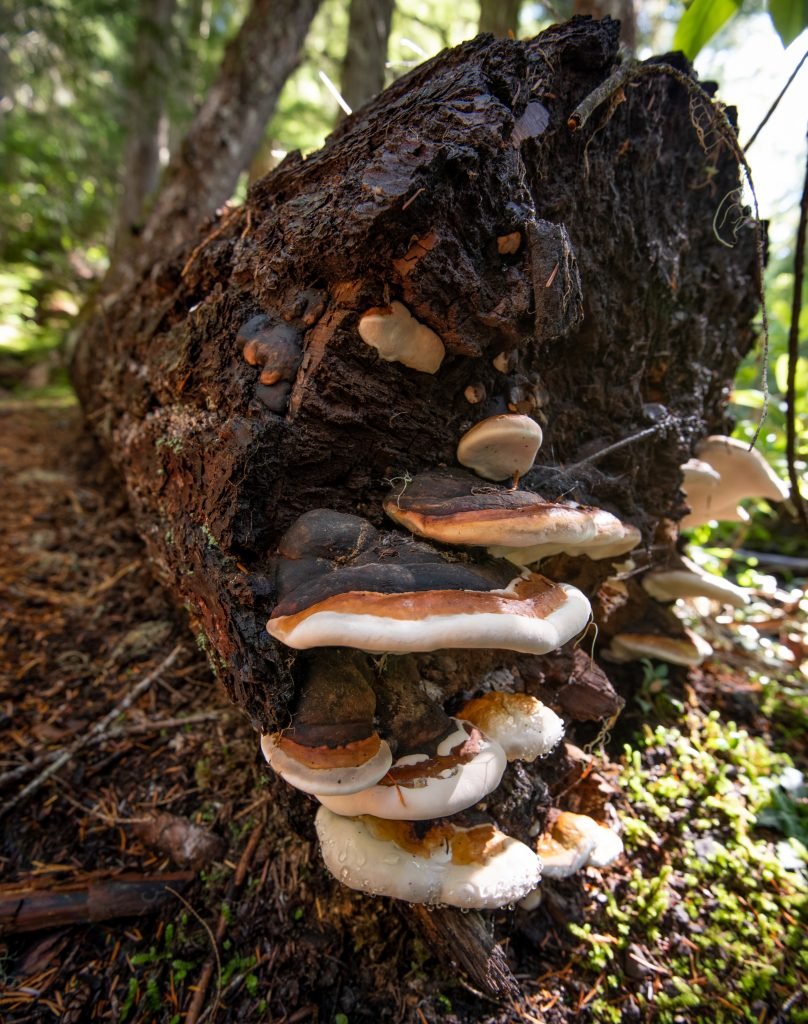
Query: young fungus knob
column 500, row 447
column 574, row 841
column 399, row 338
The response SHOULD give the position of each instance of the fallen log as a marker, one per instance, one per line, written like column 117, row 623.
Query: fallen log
column 559, row 239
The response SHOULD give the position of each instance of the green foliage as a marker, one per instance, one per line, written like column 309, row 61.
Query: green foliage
column 713, row 904
column 158, row 969
column 700, row 22
column 702, row 19
column 790, row 17
column 65, row 74
column 63, row 132
column 307, row 112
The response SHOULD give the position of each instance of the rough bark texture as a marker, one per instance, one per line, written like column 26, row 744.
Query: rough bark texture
column 230, row 123
column 366, row 54
column 619, row 312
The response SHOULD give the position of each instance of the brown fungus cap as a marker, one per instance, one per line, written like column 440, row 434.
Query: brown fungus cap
column 277, row 349
column 387, row 594
column 331, row 745
column 454, row 507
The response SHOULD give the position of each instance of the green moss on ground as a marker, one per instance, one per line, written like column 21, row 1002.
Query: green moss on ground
column 711, row 922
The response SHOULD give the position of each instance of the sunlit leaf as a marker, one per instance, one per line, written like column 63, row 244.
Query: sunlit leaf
column 790, row 17
column 700, row 22
column 801, row 374
column 747, row 397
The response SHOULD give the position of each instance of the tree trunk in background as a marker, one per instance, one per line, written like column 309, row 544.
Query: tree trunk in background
column 622, row 10
column 230, row 124
column 500, row 17
column 145, row 104
column 588, row 257
column 366, row 54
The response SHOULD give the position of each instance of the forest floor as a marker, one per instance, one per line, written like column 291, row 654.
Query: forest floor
column 221, row 913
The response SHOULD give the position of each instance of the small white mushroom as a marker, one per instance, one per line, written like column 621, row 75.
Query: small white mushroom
column 743, row 473
column 399, row 338
column 742, row 469
column 689, row 650
column 574, row 841
column 467, row 766
column 689, row 580
column 500, row 447
column 475, row 868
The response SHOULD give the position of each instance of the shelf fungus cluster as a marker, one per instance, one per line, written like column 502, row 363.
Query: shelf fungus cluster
column 723, row 472
column 396, row 775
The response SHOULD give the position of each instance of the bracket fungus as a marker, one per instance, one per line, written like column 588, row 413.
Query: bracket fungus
column 687, row 579
column 452, row 507
column 688, row 649
column 399, row 338
column 500, row 447
column 474, row 868
column 462, row 768
column 276, row 348
column 383, row 594
column 524, row 727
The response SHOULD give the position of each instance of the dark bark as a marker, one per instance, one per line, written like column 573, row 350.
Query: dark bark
column 469, row 945
column 366, row 53
column 145, row 105
column 619, row 311
column 500, row 17
column 229, row 126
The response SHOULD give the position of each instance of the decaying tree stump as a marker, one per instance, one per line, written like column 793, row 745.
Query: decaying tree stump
column 588, row 257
